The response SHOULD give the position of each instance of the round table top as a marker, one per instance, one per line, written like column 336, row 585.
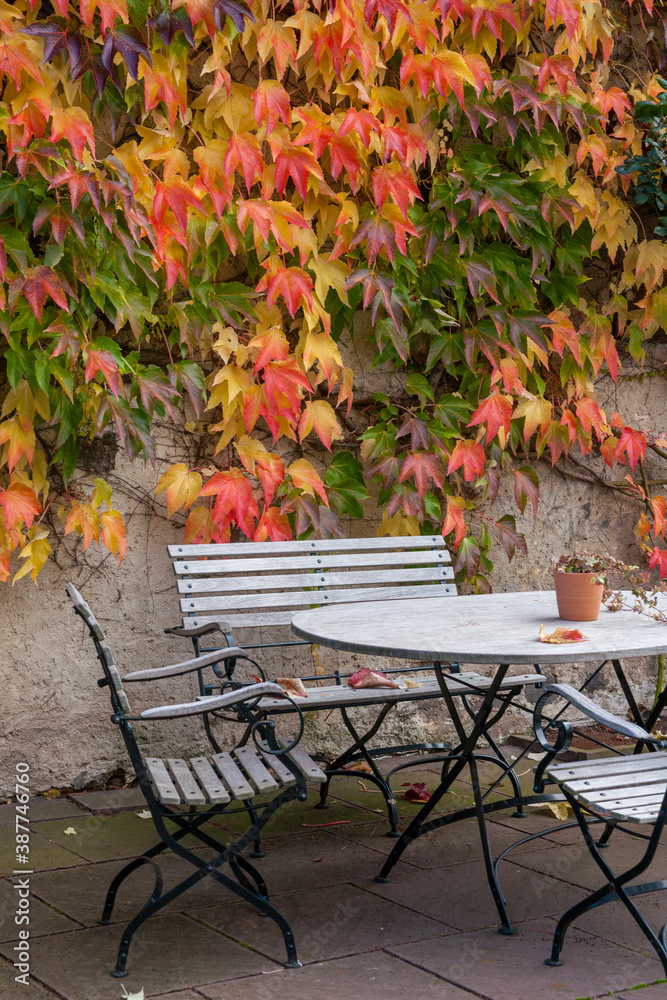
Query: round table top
column 481, row 628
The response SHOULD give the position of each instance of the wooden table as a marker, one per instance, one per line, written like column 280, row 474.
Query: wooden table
column 498, row 629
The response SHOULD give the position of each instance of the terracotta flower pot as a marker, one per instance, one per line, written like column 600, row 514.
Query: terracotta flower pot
column 578, row 596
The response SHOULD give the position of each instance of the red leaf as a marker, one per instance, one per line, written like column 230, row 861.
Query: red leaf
column 299, row 164
column 36, row 284
column 658, row 558
column 293, row 283
column 103, row 361
column 272, row 103
column 425, row 467
column 454, row 519
column 394, row 180
column 633, row 443
column 589, row 414
column 526, row 487
column 235, row 502
column 74, row 125
column 659, row 508
column 245, row 150
column 471, row 456
column 282, row 381
column 495, row 412
column 417, row 792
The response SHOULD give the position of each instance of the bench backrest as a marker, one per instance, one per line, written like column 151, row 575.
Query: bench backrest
column 255, row 584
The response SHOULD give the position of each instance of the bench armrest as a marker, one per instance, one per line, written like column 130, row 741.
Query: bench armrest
column 214, row 656
column 249, row 692
column 595, row 712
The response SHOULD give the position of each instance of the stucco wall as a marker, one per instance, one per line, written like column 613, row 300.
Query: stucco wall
column 57, row 719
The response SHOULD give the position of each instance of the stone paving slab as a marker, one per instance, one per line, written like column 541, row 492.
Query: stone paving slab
column 452, row 845
column 573, row 862
column 298, row 817
column 649, row 993
column 373, row 976
column 168, row 953
column 327, row 923
column 613, row 922
column 43, row 919
column 43, row 854
column 512, row 968
column 108, row 803
column 11, row 990
column 40, row 808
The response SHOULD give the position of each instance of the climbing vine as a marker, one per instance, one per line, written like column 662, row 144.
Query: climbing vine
column 198, row 196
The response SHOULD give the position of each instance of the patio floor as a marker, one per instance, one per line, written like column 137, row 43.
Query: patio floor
column 429, row 934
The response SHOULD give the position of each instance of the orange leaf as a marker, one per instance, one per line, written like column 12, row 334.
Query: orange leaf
column 305, row 478
column 272, row 345
column 658, row 506
column 319, row 416
column 292, row 283
column 299, row 164
column 84, row 519
column 74, row 125
column 426, row 469
column 113, row 533
column 245, row 150
column 273, row 525
column 109, row 11
column 394, row 180
column 20, row 504
column 633, row 443
column 561, row 635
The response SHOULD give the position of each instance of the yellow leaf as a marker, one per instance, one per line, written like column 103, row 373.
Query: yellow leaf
column 537, row 412
column 319, row 416
column 398, row 524
column 559, row 809
column 34, row 554
column 181, row 486
column 329, row 274
column 113, row 533
column 305, row 477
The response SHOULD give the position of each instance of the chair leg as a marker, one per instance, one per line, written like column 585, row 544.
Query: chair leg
column 123, row 874
column 575, row 911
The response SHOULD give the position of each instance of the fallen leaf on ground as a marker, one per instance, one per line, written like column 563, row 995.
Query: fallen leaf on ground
column 366, row 678
column 560, row 810
column 144, row 814
column 562, row 635
column 70, row 831
column 315, row 860
column 133, row 996
column 293, row 686
column 417, row 792
column 361, row 765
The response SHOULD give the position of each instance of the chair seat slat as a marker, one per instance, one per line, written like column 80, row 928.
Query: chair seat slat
column 184, row 780
column 161, row 781
column 236, row 781
column 210, row 782
column 253, row 767
column 320, row 579
column 321, row 545
column 306, row 764
column 607, row 781
column 612, row 765
column 310, row 597
column 282, row 773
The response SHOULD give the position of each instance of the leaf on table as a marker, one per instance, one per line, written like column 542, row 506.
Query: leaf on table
column 417, row 792
column 293, row 686
column 561, row 634
column 367, row 678
column 412, row 684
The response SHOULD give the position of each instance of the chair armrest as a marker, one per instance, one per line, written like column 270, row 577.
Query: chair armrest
column 214, row 656
column 249, row 692
column 593, row 711
column 196, row 633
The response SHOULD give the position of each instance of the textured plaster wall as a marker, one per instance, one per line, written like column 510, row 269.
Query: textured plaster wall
column 57, row 719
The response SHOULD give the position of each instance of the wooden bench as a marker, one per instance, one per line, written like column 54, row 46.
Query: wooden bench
column 226, row 588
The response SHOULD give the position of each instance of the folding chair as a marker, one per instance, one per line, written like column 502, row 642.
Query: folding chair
column 191, row 791
column 619, row 791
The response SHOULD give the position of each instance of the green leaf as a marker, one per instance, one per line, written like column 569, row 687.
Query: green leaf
column 418, row 386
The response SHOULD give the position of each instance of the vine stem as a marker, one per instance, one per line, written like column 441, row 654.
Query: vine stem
column 660, row 679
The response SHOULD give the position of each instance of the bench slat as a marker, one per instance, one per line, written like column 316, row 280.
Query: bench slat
column 190, row 791
column 293, row 548
column 243, row 621
column 253, row 767
column 314, row 563
column 236, row 781
column 310, row 597
column 210, row 782
column 161, row 781
column 321, row 580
